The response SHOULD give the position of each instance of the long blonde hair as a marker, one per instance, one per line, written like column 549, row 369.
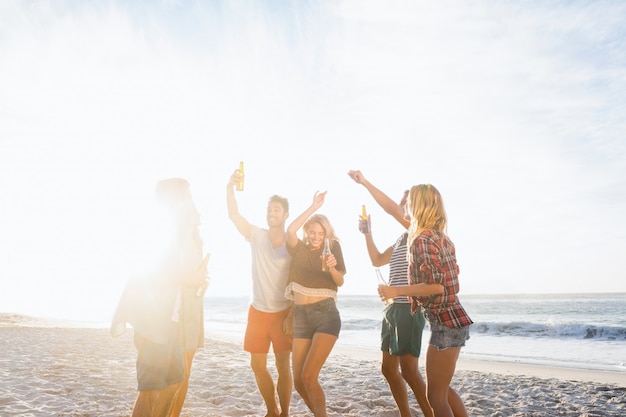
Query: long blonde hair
column 324, row 222
column 425, row 206
column 175, row 196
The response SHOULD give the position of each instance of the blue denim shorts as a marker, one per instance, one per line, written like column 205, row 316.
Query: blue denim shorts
column 320, row 317
column 159, row 365
column 443, row 337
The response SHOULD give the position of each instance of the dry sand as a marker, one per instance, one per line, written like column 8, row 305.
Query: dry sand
column 61, row 371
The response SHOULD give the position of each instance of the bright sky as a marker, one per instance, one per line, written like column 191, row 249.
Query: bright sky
column 515, row 111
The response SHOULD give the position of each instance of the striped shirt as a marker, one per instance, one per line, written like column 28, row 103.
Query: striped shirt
column 432, row 260
column 399, row 267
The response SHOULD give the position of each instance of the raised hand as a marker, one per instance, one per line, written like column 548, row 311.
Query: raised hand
column 318, row 199
column 357, row 176
column 235, row 178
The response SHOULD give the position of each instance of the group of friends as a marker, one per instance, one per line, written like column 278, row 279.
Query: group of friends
column 293, row 308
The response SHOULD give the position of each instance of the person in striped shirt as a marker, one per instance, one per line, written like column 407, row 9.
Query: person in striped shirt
column 401, row 332
column 434, row 285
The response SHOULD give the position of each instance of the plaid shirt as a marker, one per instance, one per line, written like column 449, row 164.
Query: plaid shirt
column 432, row 260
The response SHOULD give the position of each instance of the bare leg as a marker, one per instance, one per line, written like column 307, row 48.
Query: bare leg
column 143, row 403
column 179, row 399
column 310, row 362
column 258, row 362
column 409, row 365
column 284, row 385
column 440, row 366
column 155, row 403
column 300, row 349
column 390, row 371
column 456, row 403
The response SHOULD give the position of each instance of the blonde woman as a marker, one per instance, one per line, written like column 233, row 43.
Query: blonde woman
column 433, row 273
column 314, row 291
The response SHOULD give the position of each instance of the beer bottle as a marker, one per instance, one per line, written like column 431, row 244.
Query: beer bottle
column 240, row 184
column 325, row 253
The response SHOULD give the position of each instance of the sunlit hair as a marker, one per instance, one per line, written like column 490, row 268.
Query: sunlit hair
column 324, row 222
column 172, row 191
column 425, row 206
column 280, row 200
column 182, row 218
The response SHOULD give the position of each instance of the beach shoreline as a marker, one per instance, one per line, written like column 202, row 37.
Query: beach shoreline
column 74, row 371
column 469, row 364
column 512, row 368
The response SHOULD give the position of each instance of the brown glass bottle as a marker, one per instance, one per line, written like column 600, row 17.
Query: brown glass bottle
column 325, row 253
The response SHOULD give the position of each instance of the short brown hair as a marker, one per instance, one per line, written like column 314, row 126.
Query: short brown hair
column 280, row 200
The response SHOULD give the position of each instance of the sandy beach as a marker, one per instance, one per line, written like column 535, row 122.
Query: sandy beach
column 65, row 371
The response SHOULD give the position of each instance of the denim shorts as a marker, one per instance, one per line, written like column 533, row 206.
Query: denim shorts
column 320, row 317
column 443, row 337
column 159, row 365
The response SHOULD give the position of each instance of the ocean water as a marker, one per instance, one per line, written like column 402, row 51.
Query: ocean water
column 584, row 331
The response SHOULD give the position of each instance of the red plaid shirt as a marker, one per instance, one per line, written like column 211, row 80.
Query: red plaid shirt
column 432, row 260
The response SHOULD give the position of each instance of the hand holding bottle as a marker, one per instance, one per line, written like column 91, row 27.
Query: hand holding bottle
column 241, row 173
column 328, row 259
column 364, row 221
column 237, row 178
column 383, row 288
